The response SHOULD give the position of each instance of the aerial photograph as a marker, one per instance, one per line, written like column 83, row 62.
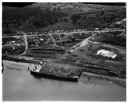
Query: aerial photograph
column 63, row 51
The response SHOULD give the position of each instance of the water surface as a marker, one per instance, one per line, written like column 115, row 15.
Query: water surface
column 21, row 85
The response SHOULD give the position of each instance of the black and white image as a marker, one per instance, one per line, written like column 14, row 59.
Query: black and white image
column 63, row 51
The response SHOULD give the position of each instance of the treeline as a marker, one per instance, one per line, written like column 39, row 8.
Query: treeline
column 32, row 17
column 98, row 19
column 35, row 18
column 45, row 18
column 91, row 20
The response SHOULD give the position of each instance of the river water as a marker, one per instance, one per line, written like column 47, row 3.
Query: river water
column 20, row 85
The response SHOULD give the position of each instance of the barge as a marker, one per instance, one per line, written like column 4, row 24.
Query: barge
column 53, row 70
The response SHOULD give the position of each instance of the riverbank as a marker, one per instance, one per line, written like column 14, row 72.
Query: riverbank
column 20, row 85
column 61, row 71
